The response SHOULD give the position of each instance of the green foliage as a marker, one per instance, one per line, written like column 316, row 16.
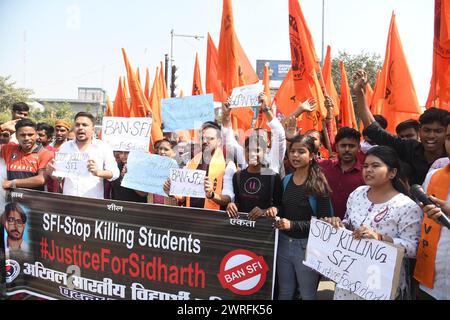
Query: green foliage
column 10, row 94
column 53, row 112
column 370, row 62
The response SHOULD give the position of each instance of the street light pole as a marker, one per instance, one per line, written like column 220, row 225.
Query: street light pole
column 172, row 35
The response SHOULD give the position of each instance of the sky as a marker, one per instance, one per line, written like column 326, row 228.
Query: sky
column 54, row 47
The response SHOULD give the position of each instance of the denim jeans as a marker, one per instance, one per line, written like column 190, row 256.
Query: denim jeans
column 292, row 272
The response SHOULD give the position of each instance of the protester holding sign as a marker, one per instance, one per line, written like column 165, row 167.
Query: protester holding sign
column 101, row 163
column 433, row 258
column 381, row 211
column 276, row 143
column 305, row 194
column 212, row 160
column 165, row 148
column 257, row 190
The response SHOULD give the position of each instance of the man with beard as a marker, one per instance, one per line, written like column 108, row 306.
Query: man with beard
column 344, row 174
column 212, row 160
column 14, row 220
column 101, row 163
column 25, row 162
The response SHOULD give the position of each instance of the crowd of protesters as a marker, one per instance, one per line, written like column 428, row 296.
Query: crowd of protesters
column 361, row 184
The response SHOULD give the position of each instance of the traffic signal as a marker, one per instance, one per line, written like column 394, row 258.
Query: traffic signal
column 173, row 78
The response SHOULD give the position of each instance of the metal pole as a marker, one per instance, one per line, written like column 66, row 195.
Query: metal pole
column 171, row 54
column 166, row 66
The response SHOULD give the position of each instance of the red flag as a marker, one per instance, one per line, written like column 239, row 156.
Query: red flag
column 439, row 95
column 395, row 93
column 139, row 104
column 348, row 118
column 197, row 88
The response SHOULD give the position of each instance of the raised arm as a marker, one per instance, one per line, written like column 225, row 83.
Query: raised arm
column 359, row 85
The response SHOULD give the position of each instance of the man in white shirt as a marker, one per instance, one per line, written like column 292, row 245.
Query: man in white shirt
column 101, row 163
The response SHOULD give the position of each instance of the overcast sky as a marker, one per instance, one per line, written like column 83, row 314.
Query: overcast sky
column 53, row 47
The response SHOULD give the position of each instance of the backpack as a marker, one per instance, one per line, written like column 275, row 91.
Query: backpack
column 312, row 199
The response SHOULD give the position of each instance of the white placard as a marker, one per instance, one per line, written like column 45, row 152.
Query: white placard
column 246, row 96
column 126, row 134
column 367, row 268
column 187, row 183
column 71, row 165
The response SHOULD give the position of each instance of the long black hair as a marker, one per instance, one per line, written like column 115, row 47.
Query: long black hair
column 316, row 182
column 390, row 158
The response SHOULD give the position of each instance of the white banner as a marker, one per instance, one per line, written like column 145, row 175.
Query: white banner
column 71, row 165
column 187, row 183
column 126, row 134
column 246, row 96
column 367, row 268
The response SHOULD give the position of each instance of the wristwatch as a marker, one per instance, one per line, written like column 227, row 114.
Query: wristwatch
column 212, row 195
column 265, row 109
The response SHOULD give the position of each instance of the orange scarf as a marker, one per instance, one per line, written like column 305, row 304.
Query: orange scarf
column 215, row 173
column 431, row 231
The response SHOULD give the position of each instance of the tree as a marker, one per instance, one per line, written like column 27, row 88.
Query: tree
column 53, row 112
column 10, row 94
column 369, row 62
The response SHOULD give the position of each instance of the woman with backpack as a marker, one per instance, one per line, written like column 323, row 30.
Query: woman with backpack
column 257, row 189
column 305, row 194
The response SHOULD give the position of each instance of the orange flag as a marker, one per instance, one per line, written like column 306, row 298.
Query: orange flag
column 213, row 85
column 261, row 121
column 121, row 108
column 139, row 104
column 395, row 92
column 348, row 118
column 329, row 84
column 155, row 103
column 138, row 75
column 109, row 112
column 439, row 95
column 197, row 88
column 233, row 68
column 147, row 84
column 305, row 67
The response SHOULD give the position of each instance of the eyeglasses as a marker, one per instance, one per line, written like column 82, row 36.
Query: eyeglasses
column 12, row 220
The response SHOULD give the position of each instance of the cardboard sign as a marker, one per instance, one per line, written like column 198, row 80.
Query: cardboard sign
column 71, row 165
column 246, row 96
column 126, row 134
column 367, row 268
column 187, row 183
column 147, row 172
column 187, row 113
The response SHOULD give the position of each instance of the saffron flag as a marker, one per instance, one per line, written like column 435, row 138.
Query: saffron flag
column 109, row 108
column 261, row 121
column 395, row 95
column 233, row 68
column 139, row 104
column 213, row 85
column 439, row 95
column 197, row 88
column 329, row 84
column 348, row 118
column 305, row 67
column 147, row 85
column 121, row 107
column 155, row 103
